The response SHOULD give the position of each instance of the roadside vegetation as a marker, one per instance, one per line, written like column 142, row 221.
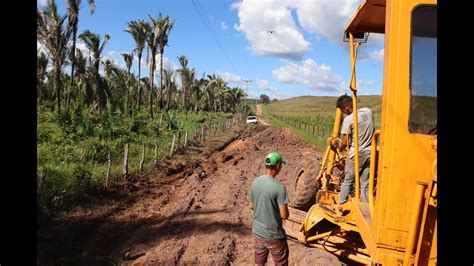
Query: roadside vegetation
column 90, row 109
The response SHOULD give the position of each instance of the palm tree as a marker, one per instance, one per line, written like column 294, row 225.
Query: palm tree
column 42, row 64
column 138, row 31
column 54, row 37
column 164, row 28
column 197, row 93
column 152, row 43
column 170, row 85
column 215, row 93
column 187, row 80
column 73, row 21
column 237, row 94
column 80, row 73
column 92, row 42
column 210, row 92
column 108, row 67
column 119, row 80
column 81, row 63
column 128, row 58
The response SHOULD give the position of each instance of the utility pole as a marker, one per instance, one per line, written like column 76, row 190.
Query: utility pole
column 246, row 95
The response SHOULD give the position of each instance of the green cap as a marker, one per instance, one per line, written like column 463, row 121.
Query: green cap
column 273, row 158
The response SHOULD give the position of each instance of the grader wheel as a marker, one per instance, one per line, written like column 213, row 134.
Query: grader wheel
column 304, row 185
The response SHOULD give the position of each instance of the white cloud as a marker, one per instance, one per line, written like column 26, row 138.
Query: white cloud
column 167, row 63
column 365, row 83
column 265, row 85
column 362, row 85
column 116, row 58
column 310, row 74
column 373, row 55
column 256, row 18
column 326, row 19
column 228, row 77
column 223, row 25
column 253, row 94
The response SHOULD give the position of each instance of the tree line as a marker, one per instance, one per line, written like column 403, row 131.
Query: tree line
column 116, row 88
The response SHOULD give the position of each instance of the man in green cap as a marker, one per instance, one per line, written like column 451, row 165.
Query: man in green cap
column 269, row 201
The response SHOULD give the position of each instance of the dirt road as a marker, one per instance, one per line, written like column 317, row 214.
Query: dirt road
column 259, row 114
column 187, row 214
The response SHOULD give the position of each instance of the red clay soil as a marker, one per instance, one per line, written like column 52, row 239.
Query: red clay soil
column 199, row 215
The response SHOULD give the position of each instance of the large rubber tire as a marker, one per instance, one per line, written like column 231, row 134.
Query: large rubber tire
column 304, row 185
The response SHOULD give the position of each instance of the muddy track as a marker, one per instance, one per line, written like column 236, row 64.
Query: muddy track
column 192, row 213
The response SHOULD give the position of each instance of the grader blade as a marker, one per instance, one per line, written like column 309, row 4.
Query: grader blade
column 293, row 224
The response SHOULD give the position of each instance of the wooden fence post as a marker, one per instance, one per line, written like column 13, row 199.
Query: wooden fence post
column 109, row 166
column 125, row 160
column 178, row 139
column 161, row 118
column 202, row 132
column 143, row 157
column 41, row 181
column 172, row 145
column 156, row 154
column 186, row 139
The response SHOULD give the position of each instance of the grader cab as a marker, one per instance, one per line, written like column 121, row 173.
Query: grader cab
column 398, row 224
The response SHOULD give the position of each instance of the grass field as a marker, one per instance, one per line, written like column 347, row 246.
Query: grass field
column 302, row 113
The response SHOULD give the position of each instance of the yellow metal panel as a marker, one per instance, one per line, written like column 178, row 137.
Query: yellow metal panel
column 404, row 158
column 389, row 257
column 363, row 227
column 369, row 17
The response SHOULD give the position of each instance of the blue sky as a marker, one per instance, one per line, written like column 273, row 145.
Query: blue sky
column 287, row 48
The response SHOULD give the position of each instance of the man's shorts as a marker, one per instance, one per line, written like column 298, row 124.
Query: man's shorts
column 278, row 248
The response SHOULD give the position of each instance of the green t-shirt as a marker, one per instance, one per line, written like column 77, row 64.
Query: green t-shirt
column 266, row 194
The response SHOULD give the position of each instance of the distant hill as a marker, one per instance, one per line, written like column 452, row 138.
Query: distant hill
column 312, row 107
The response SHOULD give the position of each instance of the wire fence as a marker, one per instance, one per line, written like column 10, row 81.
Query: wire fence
column 318, row 127
column 141, row 156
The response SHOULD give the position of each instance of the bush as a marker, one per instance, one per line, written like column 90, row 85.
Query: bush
column 49, row 132
column 93, row 150
column 82, row 178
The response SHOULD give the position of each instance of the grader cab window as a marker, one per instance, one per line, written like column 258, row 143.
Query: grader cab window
column 423, row 71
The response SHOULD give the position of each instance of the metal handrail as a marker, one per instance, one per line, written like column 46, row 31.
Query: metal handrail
column 373, row 154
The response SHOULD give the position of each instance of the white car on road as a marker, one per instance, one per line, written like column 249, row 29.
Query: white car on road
column 252, row 120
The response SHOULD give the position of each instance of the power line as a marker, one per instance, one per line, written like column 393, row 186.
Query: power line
column 207, row 24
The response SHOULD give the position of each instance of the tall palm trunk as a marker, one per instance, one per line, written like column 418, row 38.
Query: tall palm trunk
column 139, row 81
column 161, row 78
column 57, row 85
column 168, row 100
column 152, row 72
column 129, row 79
column 73, row 63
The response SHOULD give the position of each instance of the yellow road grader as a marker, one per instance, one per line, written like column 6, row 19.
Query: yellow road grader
column 398, row 224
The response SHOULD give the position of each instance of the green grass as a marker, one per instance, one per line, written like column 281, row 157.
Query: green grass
column 73, row 148
column 308, row 137
column 314, row 110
